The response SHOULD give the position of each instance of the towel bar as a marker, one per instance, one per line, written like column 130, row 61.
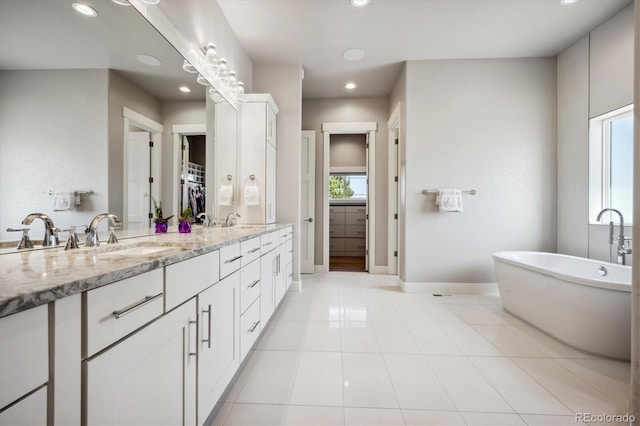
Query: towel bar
column 435, row 191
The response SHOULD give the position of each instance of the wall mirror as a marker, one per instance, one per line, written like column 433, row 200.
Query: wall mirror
column 80, row 99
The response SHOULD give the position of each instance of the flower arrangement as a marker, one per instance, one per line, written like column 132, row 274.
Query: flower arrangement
column 161, row 222
column 185, row 220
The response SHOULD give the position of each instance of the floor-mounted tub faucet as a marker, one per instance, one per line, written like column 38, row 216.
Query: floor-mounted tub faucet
column 50, row 231
column 92, row 231
column 623, row 243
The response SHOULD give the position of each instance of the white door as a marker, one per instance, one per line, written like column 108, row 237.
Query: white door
column 184, row 196
column 267, row 281
column 138, row 173
column 307, row 201
column 366, row 250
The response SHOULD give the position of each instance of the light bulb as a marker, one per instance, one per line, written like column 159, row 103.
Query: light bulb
column 232, row 81
column 202, row 80
column 223, row 70
column 186, row 65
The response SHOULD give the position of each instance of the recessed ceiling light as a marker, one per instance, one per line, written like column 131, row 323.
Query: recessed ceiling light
column 152, row 61
column 85, row 9
column 359, row 3
column 353, row 54
column 568, row 2
column 122, row 2
column 185, row 89
column 350, row 86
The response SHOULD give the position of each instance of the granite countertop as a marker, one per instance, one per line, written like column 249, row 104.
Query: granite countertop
column 34, row 277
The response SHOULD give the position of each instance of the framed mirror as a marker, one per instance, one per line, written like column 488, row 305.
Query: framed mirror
column 90, row 108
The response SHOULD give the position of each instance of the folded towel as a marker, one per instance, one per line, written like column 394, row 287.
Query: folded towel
column 449, row 200
column 251, row 195
column 62, row 201
column 225, row 195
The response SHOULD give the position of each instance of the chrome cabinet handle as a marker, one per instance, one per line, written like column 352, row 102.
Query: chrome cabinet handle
column 122, row 312
column 255, row 325
column 208, row 339
column 189, row 341
column 254, row 250
column 253, row 284
column 268, row 243
column 233, row 259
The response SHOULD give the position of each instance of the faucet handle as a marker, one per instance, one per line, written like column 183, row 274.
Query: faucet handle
column 72, row 240
column 25, row 242
column 112, row 235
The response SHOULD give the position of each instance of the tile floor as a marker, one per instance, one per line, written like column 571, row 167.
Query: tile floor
column 352, row 349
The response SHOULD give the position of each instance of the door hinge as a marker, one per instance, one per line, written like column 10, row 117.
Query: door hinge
column 366, row 252
column 181, row 181
column 395, row 254
column 182, row 147
column 396, row 141
column 395, row 216
column 395, row 178
column 150, row 144
column 150, row 180
column 367, row 216
column 150, row 215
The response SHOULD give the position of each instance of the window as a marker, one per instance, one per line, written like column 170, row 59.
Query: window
column 343, row 186
column 611, row 163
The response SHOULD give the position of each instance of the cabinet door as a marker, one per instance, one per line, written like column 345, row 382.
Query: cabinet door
column 267, row 296
column 218, row 342
column 270, row 196
column 149, row 378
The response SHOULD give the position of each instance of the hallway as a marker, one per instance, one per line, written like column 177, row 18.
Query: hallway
column 351, row 348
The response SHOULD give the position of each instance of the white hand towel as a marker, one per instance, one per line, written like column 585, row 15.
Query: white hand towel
column 449, row 200
column 251, row 195
column 225, row 195
column 62, row 201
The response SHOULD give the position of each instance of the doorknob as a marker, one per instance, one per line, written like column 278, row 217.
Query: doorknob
column 309, row 220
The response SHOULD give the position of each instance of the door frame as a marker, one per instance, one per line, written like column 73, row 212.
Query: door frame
column 369, row 129
column 156, row 130
column 178, row 131
column 393, row 126
column 311, row 134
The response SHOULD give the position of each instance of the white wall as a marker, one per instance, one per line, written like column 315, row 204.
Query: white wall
column 488, row 125
column 53, row 136
column 348, row 151
column 595, row 76
column 284, row 83
column 318, row 111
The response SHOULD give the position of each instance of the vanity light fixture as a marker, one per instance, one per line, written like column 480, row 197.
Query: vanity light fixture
column 350, row 86
column 149, row 60
column 202, row 80
column 85, row 9
column 122, row 2
column 360, row 3
column 185, row 89
column 353, row 54
column 568, row 2
column 186, row 65
column 210, row 57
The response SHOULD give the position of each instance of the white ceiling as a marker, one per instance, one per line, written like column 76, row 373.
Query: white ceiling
column 315, row 33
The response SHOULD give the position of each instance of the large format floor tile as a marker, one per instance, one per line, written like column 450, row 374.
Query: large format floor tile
column 351, row 348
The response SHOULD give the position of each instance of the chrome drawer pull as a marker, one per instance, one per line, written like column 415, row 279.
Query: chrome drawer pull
column 268, row 243
column 254, row 250
column 290, row 251
column 128, row 310
column 255, row 324
column 233, row 259
column 189, row 341
column 253, row 284
column 208, row 339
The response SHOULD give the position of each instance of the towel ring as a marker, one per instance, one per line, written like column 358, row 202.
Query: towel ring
column 227, row 178
column 250, row 178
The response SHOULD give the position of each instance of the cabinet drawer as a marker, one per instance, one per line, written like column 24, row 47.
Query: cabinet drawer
column 336, row 244
column 356, row 231
column 356, row 209
column 289, row 232
column 336, row 218
column 355, row 244
column 249, row 284
column 337, row 209
column 249, row 328
column 250, row 250
column 355, row 219
column 24, row 353
column 185, row 279
column 289, row 252
column 337, row 231
column 29, row 411
column 230, row 258
column 268, row 242
column 115, row 310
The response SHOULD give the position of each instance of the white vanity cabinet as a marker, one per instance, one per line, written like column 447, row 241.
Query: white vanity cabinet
column 24, row 364
column 148, row 378
column 218, row 342
column 258, row 116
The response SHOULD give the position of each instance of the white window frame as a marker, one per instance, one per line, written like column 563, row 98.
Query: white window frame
column 600, row 161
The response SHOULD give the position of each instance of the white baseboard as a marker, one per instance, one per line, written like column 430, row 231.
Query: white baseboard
column 298, row 284
column 320, row 268
column 378, row 269
column 448, row 288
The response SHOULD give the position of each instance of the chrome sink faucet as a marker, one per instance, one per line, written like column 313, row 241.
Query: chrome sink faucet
column 623, row 247
column 228, row 222
column 50, row 231
column 207, row 222
column 92, row 231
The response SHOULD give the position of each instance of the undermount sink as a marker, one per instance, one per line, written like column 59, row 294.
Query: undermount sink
column 140, row 251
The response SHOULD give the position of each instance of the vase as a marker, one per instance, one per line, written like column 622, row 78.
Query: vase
column 161, row 227
column 184, row 227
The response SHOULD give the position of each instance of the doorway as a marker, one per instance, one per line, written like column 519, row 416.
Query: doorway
column 189, row 177
column 356, row 215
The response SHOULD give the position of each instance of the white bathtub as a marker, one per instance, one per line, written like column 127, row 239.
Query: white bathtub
column 567, row 297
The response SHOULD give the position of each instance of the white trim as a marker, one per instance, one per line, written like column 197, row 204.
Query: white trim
column 448, row 288
column 347, row 170
column 393, row 127
column 142, row 121
column 368, row 128
column 262, row 97
column 319, row 269
column 375, row 269
column 179, row 130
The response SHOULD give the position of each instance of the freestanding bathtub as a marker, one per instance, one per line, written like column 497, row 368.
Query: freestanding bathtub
column 585, row 303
